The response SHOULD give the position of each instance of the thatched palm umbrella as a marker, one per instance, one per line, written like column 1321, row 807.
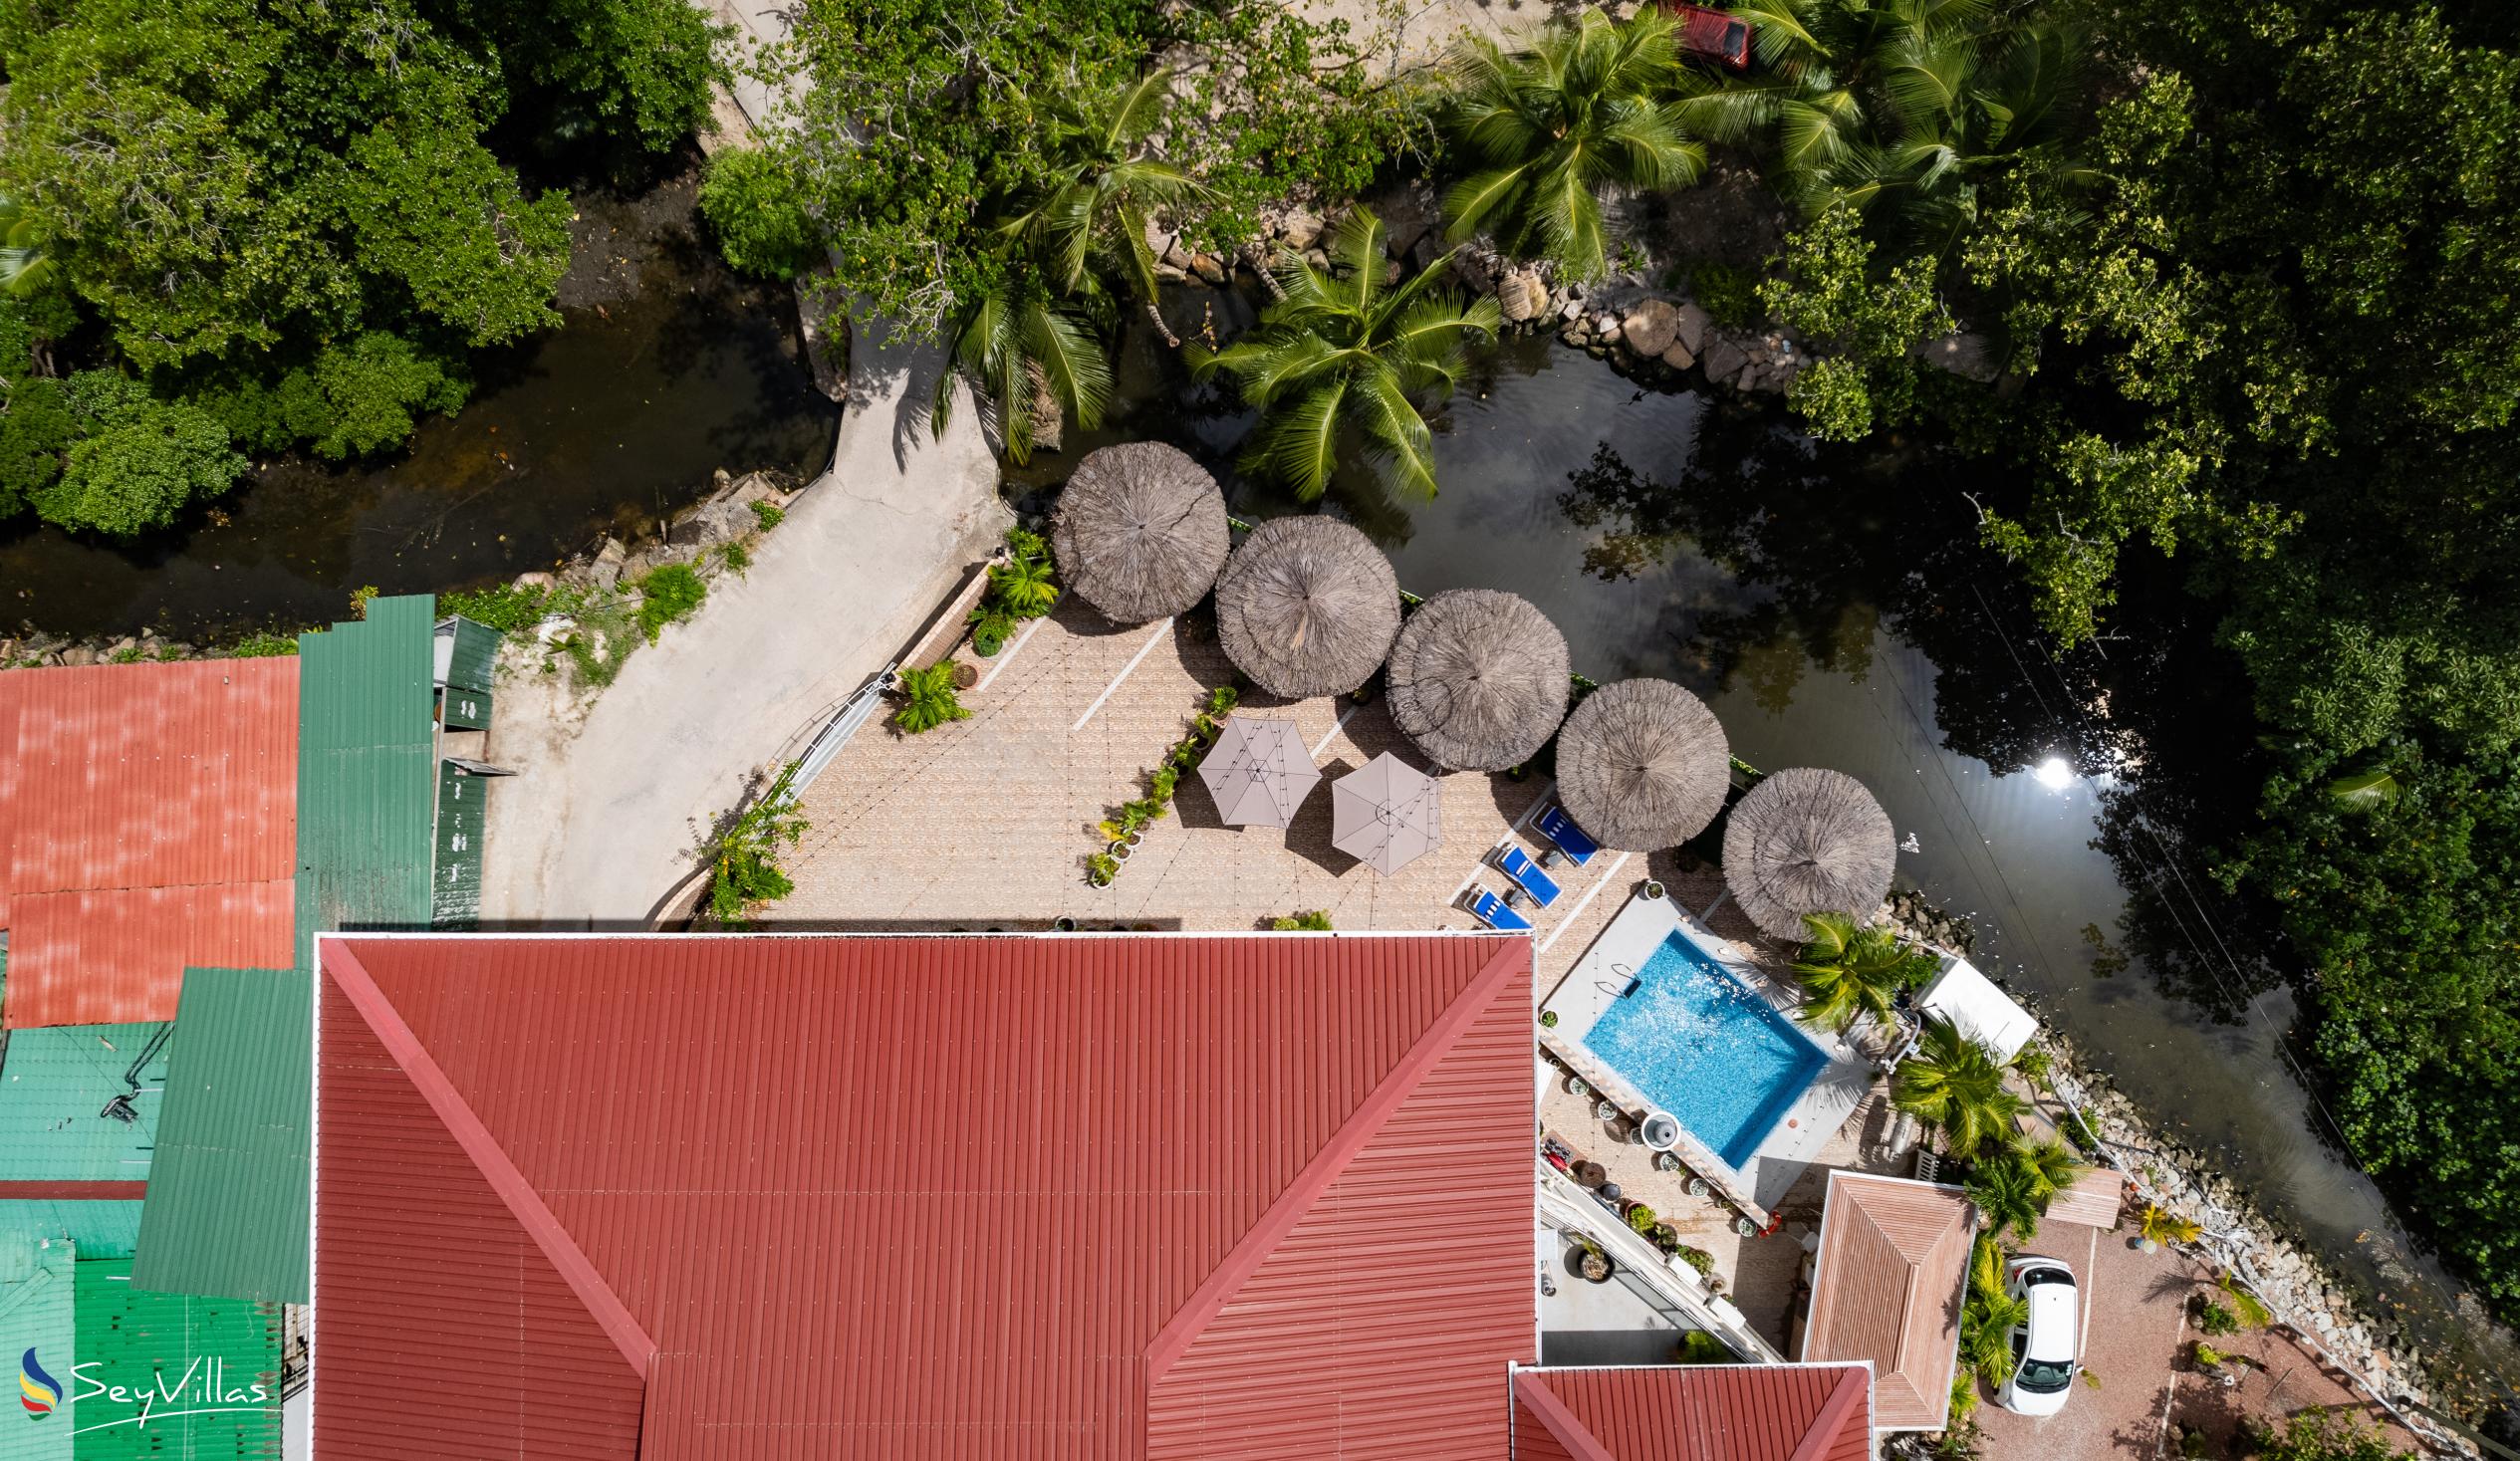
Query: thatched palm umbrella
column 1808, row 840
column 1480, row 679
column 1643, row 764
column 1140, row 531
column 1307, row 606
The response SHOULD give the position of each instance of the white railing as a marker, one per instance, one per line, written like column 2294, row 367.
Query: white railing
column 1679, row 1291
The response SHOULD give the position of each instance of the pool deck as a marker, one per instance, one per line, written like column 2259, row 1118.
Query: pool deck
column 1800, row 1136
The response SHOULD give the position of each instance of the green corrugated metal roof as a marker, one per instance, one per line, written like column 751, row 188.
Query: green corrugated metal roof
column 96, row 1229
column 38, row 1316
column 211, row 1354
column 227, row 1201
column 475, row 652
column 54, row 1087
column 455, row 892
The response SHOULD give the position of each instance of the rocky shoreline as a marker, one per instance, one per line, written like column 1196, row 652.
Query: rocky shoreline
column 2308, row 1299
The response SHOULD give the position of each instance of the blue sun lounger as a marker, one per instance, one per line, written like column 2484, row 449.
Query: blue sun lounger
column 1490, row 909
column 1516, row 863
column 1559, row 828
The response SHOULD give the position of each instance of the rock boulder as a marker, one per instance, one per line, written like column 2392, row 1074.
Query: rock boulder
column 1651, row 326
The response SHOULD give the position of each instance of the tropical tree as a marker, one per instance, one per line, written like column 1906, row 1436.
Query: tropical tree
column 2013, row 1186
column 1957, row 1084
column 23, row 261
column 1090, row 206
column 1547, row 127
column 1033, row 356
column 1988, row 1315
column 1898, row 106
column 1343, row 355
column 928, row 699
column 1849, row 973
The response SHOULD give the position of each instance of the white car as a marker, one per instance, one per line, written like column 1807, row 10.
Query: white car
column 2044, row 1349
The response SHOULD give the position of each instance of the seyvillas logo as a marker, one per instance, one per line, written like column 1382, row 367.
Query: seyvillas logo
column 203, row 1389
column 38, row 1392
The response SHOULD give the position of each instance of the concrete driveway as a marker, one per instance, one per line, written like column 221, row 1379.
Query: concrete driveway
column 600, row 827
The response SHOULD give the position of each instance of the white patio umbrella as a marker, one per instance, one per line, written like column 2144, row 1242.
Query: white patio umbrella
column 1259, row 772
column 1385, row 813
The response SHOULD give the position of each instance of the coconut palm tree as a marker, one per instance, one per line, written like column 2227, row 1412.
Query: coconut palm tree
column 1897, row 107
column 2008, row 1195
column 1090, row 205
column 1031, row 354
column 1957, row 1084
column 2051, row 1161
column 1988, row 1315
column 1547, row 127
column 23, row 261
column 1344, row 356
column 1849, row 973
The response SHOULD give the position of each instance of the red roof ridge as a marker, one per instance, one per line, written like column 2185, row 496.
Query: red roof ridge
column 1854, row 1389
column 1318, row 1174
column 1534, row 1391
column 532, row 1214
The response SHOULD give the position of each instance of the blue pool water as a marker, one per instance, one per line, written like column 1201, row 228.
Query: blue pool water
column 1704, row 1047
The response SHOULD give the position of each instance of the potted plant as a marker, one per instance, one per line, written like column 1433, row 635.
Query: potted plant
column 1642, row 1218
column 1548, row 1019
column 1576, row 1086
column 1100, row 869
column 1654, row 889
column 1594, row 1265
column 1063, row 925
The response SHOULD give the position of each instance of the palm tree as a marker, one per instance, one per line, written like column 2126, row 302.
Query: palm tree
column 1092, row 204
column 1549, row 127
column 1897, row 107
column 1988, row 1315
column 23, row 261
column 1849, row 973
column 2052, row 1162
column 1030, row 354
column 2008, row 1195
column 1345, row 355
column 1957, row 1084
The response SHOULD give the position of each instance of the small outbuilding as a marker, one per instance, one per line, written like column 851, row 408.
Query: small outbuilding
column 1983, row 1013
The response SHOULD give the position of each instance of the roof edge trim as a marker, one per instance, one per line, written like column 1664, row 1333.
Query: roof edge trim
column 1855, row 1388
column 336, row 959
column 1560, row 1421
column 66, row 1191
column 1175, row 1338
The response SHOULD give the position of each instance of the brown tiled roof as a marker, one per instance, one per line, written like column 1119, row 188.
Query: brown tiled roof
column 1892, row 1268
column 1763, row 1412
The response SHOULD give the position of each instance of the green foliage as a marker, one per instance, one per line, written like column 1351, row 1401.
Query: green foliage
column 22, row 260
column 1700, row 1348
column 361, row 597
column 2318, row 1434
column 1957, row 1084
column 1868, row 322
column 928, row 123
column 351, row 401
column 1024, row 587
column 668, row 595
column 736, row 555
column 1850, row 974
column 263, row 647
column 928, row 699
column 1698, row 1259
column 137, row 462
column 768, row 514
column 1337, row 366
column 744, row 871
column 2158, row 1224
column 1547, row 128
column 1101, row 868
column 1314, row 920
column 2250, row 1309
column 1642, row 1218
column 753, row 207
column 287, row 217
column 1731, row 296
column 508, row 607
column 1988, row 1315
column 2215, row 1320
column 1223, row 699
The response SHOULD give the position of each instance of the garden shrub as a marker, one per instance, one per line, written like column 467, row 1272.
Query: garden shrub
column 668, row 595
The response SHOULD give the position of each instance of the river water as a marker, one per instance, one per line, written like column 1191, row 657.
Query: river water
column 666, row 368
column 1834, row 610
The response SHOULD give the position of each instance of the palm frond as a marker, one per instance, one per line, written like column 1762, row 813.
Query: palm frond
column 1474, row 200
column 1070, row 362
column 1383, row 411
column 1297, row 445
column 1131, row 113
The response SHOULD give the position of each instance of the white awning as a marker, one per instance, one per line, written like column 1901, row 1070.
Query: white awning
column 1983, row 1013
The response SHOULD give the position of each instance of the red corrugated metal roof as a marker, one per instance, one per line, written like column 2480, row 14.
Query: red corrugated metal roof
column 1886, row 1286
column 903, row 1197
column 147, row 821
column 1770, row 1412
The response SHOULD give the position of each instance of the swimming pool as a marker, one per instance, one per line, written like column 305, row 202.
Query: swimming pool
column 1703, row 1046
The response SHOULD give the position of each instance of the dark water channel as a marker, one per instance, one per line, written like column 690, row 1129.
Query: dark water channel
column 1833, row 608
column 666, row 368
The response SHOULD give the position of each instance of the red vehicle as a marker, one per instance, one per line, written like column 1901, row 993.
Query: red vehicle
column 1712, row 34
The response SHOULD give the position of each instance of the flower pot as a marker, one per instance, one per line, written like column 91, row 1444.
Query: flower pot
column 1607, row 1110
column 1652, row 891
column 1697, row 1187
column 966, row 676
column 1120, row 849
column 1575, row 1086
column 1063, row 925
column 1745, row 1227
column 1596, row 1267
column 1665, row 1161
